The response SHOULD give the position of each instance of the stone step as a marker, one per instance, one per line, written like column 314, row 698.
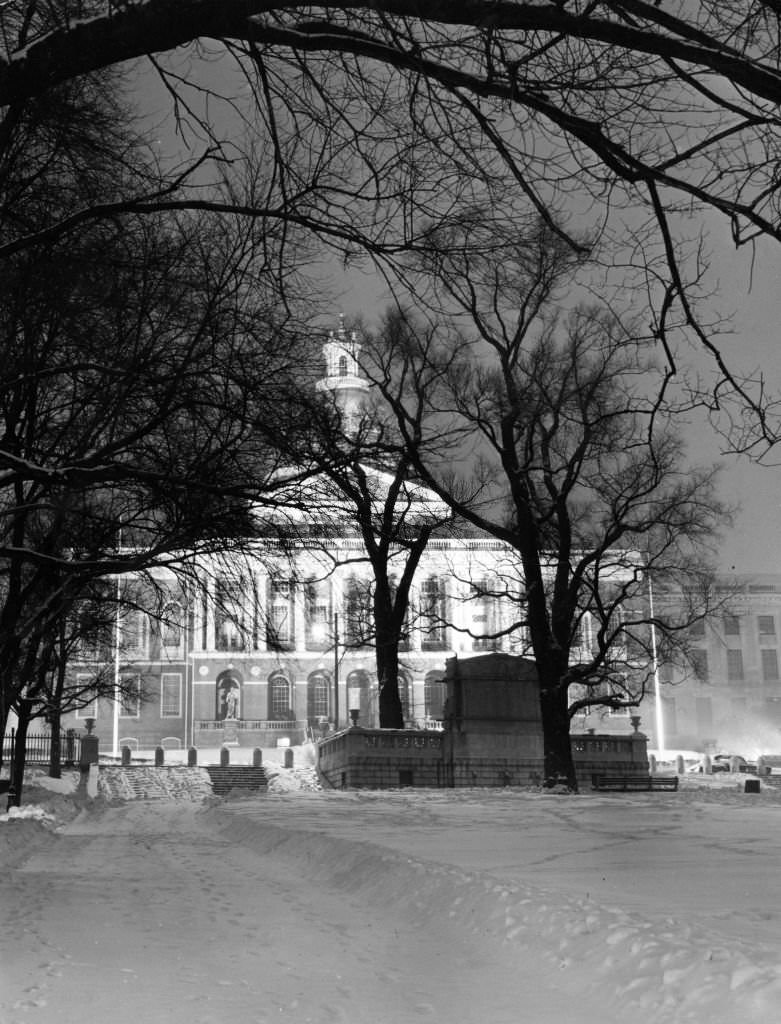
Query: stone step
column 144, row 782
column 236, row 777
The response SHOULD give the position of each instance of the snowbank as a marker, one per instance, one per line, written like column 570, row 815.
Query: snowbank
column 507, row 867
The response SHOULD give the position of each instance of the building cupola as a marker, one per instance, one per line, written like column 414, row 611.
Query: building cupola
column 343, row 379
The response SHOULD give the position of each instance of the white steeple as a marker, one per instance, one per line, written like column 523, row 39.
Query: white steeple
column 343, row 374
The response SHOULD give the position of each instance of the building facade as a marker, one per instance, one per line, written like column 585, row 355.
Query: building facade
column 278, row 645
column 728, row 699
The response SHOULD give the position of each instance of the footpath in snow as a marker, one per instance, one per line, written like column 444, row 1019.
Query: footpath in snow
column 514, row 907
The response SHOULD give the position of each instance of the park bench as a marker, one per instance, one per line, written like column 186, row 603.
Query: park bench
column 632, row 783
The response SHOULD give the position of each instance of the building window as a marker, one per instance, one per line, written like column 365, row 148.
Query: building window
column 767, row 625
column 172, row 630
column 359, row 694
column 433, row 608
column 130, row 696
column 731, row 625
column 434, row 694
column 134, row 633
column 230, row 619
column 618, row 688
column 404, row 633
column 704, row 712
column 484, row 618
column 582, row 637
column 317, row 612
column 280, row 615
column 342, row 366
column 170, row 695
column 318, row 689
column 357, row 613
column 770, row 665
column 95, row 632
column 669, row 716
column 405, row 696
column 735, row 665
column 279, row 709
column 84, row 685
column 699, row 663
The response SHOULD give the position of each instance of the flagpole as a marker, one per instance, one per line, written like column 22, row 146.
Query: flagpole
column 660, row 738
column 116, row 659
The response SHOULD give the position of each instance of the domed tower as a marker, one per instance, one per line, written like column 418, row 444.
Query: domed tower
column 343, row 374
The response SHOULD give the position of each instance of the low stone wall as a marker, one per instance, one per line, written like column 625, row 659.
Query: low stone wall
column 244, row 737
column 602, row 754
column 358, row 758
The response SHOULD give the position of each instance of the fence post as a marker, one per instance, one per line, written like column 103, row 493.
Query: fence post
column 192, row 757
column 225, row 757
column 159, row 757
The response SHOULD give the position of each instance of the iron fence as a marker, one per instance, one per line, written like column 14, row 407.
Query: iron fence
column 38, row 747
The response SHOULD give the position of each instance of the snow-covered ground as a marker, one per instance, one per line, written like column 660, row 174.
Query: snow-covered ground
column 470, row 906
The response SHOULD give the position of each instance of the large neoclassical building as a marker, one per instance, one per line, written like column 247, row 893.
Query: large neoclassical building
column 274, row 645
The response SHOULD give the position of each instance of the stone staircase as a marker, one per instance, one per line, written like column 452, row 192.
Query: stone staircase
column 143, row 782
column 237, row 777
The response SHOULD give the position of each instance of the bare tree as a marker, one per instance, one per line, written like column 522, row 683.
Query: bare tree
column 138, row 358
column 381, row 119
column 362, row 481
column 579, row 468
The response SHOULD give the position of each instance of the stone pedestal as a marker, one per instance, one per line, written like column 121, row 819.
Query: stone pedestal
column 230, row 732
column 493, row 729
column 89, row 751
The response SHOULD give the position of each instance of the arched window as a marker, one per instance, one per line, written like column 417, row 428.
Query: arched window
column 581, row 639
column 342, row 366
column 359, row 694
column 405, row 695
column 318, row 689
column 172, row 628
column 434, row 693
column 279, row 693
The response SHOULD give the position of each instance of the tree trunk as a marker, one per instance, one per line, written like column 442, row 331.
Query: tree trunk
column 17, row 768
column 387, row 633
column 55, row 703
column 391, row 712
column 55, row 751
column 387, row 659
column 3, row 723
column 559, row 766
